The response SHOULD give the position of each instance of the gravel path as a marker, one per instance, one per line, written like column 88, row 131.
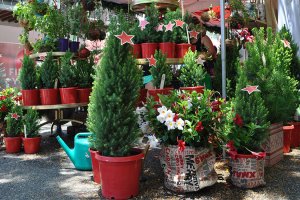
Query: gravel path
column 51, row 175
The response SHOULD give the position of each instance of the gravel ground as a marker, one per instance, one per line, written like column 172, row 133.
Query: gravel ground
column 51, row 175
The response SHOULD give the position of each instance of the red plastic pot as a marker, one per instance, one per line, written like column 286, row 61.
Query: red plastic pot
column 148, row 49
column 287, row 133
column 32, row 145
column 198, row 89
column 295, row 137
column 31, row 97
column 168, row 48
column 143, row 96
column 68, row 95
column 49, row 96
column 84, row 94
column 13, row 144
column 95, row 166
column 120, row 175
column 193, row 48
column 181, row 49
column 155, row 92
column 137, row 50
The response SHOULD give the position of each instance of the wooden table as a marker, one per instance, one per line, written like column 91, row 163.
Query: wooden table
column 58, row 108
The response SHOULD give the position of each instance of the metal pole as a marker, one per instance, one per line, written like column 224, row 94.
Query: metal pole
column 223, row 48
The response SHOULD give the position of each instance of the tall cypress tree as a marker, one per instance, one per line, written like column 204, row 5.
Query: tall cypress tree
column 111, row 116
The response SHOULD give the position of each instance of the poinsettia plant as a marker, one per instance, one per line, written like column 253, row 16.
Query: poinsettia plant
column 8, row 98
column 182, row 118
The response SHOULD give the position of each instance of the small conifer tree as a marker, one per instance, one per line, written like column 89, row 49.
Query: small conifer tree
column 67, row 74
column 152, row 16
column 28, row 75
column 31, row 120
column 111, row 116
column 49, row 72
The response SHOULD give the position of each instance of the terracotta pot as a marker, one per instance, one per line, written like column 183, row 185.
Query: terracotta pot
column 68, row 95
column 198, row 89
column 287, row 133
column 13, row 144
column 295, row 136
column 115, row 171
column 95, row 166
column 181, row 49
column 31, row 97
column 49, row 96
column 84, row 94
column 32, row 145
column 137, row 50
column 168, row 48
column 155, row 92
column 148, row 49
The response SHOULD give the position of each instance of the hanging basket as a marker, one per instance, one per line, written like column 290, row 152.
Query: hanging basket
column 140, row 5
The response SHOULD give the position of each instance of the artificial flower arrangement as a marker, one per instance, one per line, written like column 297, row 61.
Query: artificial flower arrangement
column 184, row 118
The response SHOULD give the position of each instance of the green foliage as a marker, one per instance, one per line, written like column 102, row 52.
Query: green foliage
column 25, row 15
column 27, row 75
column 38, row 8
column 44, row 45
column 191, row 74
column 49, row 72
column 31, row 120
column 75, row 17
column 111, row 115
column 161, row 68
column 137, row 32
column 14, row 125
column 152, row 16
column 67, row 74
column 85, row 72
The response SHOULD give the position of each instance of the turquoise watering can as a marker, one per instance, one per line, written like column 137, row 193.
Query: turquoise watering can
column 80, row 155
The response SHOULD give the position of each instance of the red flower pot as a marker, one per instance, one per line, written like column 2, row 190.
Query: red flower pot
column 155, row 92
column 32, row 145
column 120, row 175
column 198, row 89
column 295, row 137
column 13, row 144
column 142, row 97
column 287, row 132
column 193, row 48
column 95, row 166
column 68, row 95
column 181, row 49
column 84, row 94
column 168, row 48
column 137, row 50
column 31, row 97
column 148, row 49
column 49, row 96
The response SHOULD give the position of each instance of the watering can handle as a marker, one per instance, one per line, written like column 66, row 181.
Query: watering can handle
column 82, row 135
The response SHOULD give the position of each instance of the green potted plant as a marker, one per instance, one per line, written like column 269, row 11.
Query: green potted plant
column 25, row 16
column 111, row 116
column 49, row 77
column 157, row 72
column 32, row 139
column 28, row 81
column 185, row 125
column 67, row 79
column 137, row 40
column 86, row 72
column 12, row 138
column 192, row 75
column 45, row 44
column 39, row 8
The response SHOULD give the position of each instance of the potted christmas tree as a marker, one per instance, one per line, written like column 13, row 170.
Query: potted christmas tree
column 111, row 115
column 158, row 69
column 28, row 81
column 32, row 139
column 67, row 79
column 137, row 40
column 49, row 76
column 192, row 74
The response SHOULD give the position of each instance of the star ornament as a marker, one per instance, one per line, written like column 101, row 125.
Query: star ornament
column 152, row 61
column 169, row 26
column 179, row 23
column 125, row 38
column 194, row 34
column 286, row 43
column 159, row 27
column 15, row 116
column 143, row 23
column 251, row 89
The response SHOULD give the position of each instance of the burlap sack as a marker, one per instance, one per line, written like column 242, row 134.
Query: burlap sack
column 189, row 170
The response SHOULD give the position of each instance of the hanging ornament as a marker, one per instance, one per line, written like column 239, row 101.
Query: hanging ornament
column 179, row 23
column 125, row 38
column 286, row 43
column 152, row 61
column 194, row 34
column 251, row 89
column 143, row 23
column 159, row 27
column 169, row 26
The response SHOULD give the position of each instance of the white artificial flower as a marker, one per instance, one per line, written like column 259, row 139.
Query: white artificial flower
column 179, row 124
column 170, row 125
column 170, row 115
column 161, row 118
column 162, row 110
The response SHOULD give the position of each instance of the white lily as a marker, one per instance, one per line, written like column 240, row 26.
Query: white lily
column 179, row 124
column 169, row 115
column 161, row 118
column 162, row 110
column 170, row 125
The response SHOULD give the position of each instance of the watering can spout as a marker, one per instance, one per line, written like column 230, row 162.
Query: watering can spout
column 70, row 152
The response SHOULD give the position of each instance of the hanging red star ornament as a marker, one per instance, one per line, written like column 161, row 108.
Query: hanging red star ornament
column 179, row 23
column 194, row 34
column 143, row 24
column 286, row 43
column 251, row 89
column 125, row 38
column 15, row 116
column 152, row 61
column 169, row 26
column 159, row 27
